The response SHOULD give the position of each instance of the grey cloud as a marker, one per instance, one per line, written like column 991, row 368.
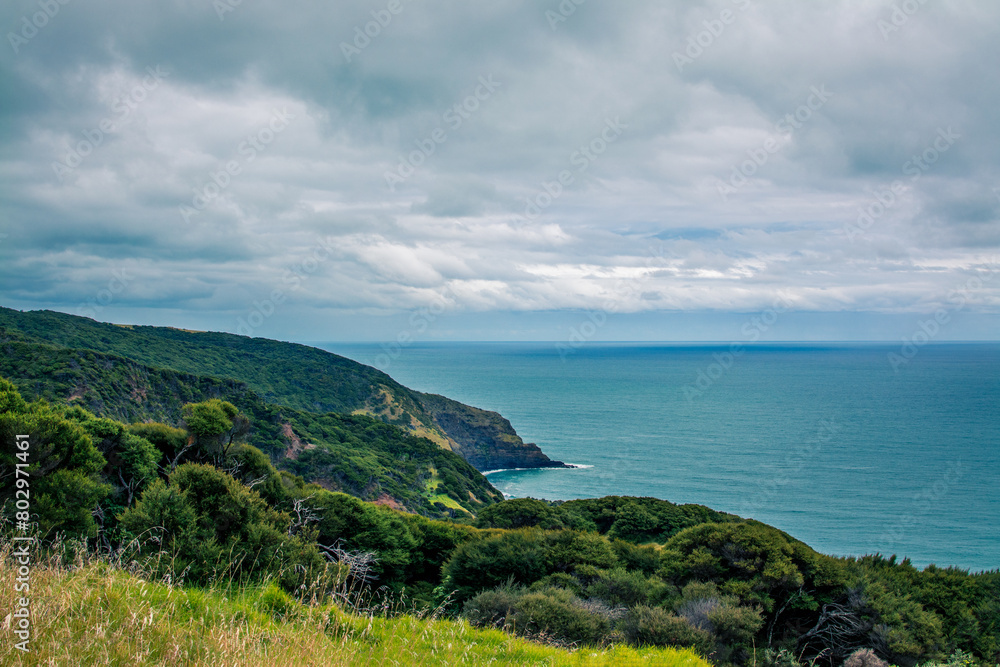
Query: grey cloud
column 458, row 223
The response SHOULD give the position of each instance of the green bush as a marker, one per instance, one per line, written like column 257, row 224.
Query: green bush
column 492, row 608
column 210, row 526
column 523, row 556
column 559, row 580
column 560, row 614
column 654, row 626
column 621, row 588
column 518, row 556
column 63, row 465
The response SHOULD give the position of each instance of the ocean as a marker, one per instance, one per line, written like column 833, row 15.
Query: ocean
column 844, row 446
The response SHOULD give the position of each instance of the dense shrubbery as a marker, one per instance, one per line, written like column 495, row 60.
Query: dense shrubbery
column 356, row 454
column 208, row 526
column 63, row 463
column 726, row 588
column 637, row 520
column 202, row 505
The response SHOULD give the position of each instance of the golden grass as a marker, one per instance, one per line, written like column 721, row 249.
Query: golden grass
column 99, row 614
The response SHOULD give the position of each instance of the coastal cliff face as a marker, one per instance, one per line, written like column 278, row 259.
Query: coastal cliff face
column 293, row 375
column 484, row 438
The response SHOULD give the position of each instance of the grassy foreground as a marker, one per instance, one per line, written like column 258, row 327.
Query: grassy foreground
column 98, row 614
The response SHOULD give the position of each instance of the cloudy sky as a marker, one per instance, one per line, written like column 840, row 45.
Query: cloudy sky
column 505, row 170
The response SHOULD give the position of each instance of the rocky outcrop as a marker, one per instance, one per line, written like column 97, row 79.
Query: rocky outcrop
column 483, row 438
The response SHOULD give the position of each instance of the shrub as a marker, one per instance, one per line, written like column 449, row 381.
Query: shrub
column 644, row 558
column 559, row 580
column 770, row 657
column 864, row 657
column 209, row 526
column 733, row 626
column 277, row 602
column 654, row 626
column 64, row 465
column 517, row 556
column 525, row 556
column 553, row 613
column 559, row 613
column 492, row 608
column 518, row 513
column 620, row 588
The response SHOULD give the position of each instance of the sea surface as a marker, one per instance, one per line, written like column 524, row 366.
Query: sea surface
column 832, row 443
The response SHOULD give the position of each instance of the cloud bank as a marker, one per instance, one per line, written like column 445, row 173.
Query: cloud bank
column 319, row 170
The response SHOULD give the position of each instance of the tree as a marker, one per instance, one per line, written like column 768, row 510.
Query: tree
column 215, row 425
column 63, row 464
column 131, row 459
column 212, row 526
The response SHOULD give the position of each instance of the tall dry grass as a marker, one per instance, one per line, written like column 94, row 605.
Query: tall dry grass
column 93, row 609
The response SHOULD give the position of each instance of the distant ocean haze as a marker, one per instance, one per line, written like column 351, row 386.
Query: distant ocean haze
column 830, row 442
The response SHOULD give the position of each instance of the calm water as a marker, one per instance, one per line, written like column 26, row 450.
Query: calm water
column 826, row 442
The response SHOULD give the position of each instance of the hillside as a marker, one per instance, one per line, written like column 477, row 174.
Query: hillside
column 292, row 375
column 355, row 454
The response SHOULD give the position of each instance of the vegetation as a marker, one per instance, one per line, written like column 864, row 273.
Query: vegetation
column 96, row 613
column 295, row 376
column 637, row 520
column 234, row 529
column 357, row 454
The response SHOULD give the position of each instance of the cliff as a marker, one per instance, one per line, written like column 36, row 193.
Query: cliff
column 292, row 375
column 483, row 438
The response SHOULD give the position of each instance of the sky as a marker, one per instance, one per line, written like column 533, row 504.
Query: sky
column 715, row 170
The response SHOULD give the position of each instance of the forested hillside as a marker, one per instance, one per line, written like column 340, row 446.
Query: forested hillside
column 292, row 375
column 356, row 454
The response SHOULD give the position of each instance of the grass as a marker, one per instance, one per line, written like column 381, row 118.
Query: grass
column 96, row 613
column 431, row 487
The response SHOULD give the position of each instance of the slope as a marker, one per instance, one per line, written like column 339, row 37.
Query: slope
column 293, row 375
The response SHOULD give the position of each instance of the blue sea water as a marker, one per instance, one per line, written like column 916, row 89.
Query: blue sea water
column 828, row 442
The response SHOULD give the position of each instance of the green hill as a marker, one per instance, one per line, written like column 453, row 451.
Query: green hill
column 356, row 454
column 288, row 374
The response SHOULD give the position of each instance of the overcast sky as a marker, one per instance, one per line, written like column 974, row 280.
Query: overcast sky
column 504, row 170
